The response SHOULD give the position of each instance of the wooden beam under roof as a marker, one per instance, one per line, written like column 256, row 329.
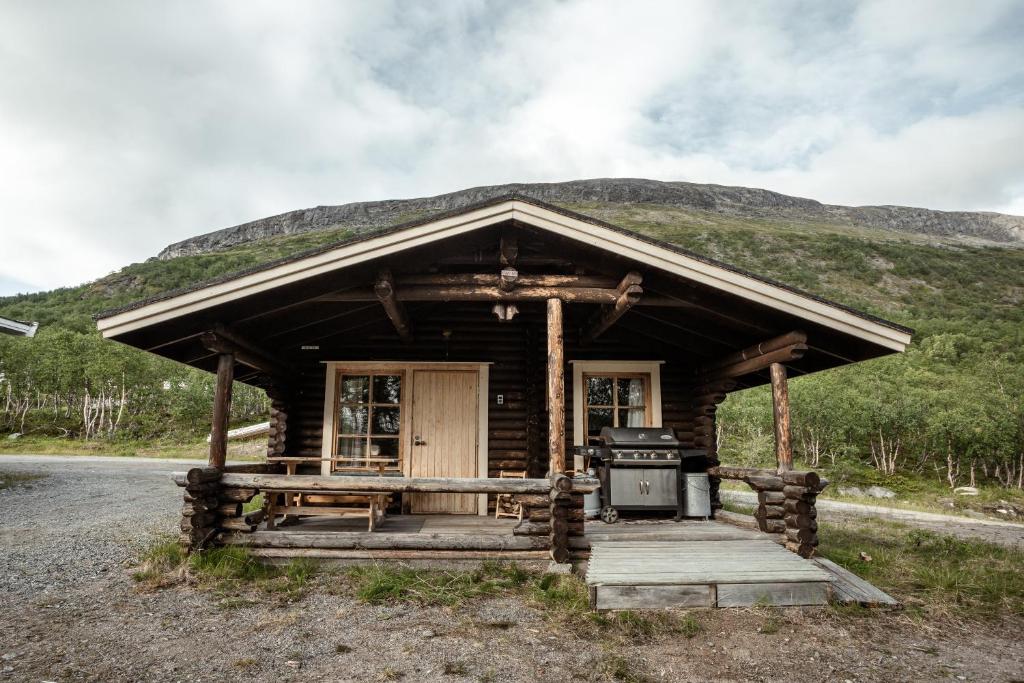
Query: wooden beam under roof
column 494, row 280
column 629, row 294
column 781, row 349
column 585, row 295
column 385, row 291
column 222, row 340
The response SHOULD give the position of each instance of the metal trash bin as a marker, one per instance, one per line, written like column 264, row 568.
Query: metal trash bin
column 696, row 495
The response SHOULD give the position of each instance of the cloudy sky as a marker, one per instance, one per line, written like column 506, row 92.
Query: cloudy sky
column 125, row 126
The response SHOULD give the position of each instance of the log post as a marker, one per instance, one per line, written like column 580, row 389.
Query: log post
column 780, row 411
column 221, row 410
column 556, row 389
column 561, row 501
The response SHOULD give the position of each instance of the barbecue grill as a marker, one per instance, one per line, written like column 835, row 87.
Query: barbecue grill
column 641, row 469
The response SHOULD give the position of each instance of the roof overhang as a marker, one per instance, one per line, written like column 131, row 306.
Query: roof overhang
column 18, row 328
column 571, row 226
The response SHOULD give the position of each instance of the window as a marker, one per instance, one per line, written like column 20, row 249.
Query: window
column 616, row 400
column 369, row 421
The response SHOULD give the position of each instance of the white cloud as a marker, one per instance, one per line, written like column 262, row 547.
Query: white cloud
column 128, row 126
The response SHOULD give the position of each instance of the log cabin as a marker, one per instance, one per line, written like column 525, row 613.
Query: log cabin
column 423, row 374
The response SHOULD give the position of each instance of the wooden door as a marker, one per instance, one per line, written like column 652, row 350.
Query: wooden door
column 445, row 409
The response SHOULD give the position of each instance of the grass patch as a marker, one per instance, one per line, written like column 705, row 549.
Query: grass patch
column 619, row 668
column 380, row 583
column 161, row 562
column 933, row 574
column 9, row 479
column 228, row 570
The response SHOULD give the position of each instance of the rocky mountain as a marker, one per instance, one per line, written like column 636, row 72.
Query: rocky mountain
column 741, row 202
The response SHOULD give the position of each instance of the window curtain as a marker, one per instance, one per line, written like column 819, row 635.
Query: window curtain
column 636, row 398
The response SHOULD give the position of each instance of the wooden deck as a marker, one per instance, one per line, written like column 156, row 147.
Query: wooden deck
column 696, row 564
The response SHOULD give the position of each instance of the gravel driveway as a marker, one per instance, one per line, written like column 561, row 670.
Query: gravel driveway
column 70, row 611
column 993, row 531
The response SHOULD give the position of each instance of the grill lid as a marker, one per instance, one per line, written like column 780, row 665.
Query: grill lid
column 647, row 437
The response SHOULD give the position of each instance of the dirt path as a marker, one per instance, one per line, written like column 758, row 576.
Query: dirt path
column 994, row 531
column 72, row 612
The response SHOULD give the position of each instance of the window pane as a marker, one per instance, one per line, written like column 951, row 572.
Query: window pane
column 598, row 418
column 631, row 417
column 384, row 448
column 355, row 389
column 353, row 419
column 630, row 391
column 385, row 420
column 387, row 389
column 352, row 451
column 599, row 391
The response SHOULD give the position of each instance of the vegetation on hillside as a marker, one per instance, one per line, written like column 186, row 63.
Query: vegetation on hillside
column 948, row 412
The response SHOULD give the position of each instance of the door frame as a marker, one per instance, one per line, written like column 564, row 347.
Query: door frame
column 331, row 369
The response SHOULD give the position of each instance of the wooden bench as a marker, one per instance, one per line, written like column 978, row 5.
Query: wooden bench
column 298, row 503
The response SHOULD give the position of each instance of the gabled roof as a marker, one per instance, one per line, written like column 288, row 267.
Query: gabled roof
column 564, row 223
column 18, row 328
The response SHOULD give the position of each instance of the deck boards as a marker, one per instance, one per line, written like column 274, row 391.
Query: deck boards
column 697, row 564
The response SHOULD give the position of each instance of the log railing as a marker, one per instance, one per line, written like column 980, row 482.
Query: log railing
column 553, row 508
column 785, row 503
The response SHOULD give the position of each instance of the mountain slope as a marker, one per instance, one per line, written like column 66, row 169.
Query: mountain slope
column 704, row 201
column 953, row 402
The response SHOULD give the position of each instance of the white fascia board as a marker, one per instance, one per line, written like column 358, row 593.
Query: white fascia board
column 668, row 260
column 770, row 295
column 318, row 264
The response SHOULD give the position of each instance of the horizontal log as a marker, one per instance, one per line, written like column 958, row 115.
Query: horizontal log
column 757, row 350
column 345, row 555
column 786, row 354
column 799, row 491
column 370, row 484
column 377, row 540
column 531, row 527
column 808, row 479
column 523, row 280
column 797, row 506
column 229, row 510
column 202, row 475
column 770, row 512
column 766, row 483
column 801, row 522
column 533, row 501
column 801, row 535
column 537, row 514
column 253, row 468
column 771, row 526
column 236, row 495
column 585, row 295
column 237, row 524
column 771, row 497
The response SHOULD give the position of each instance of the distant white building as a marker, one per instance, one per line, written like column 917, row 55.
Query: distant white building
column 18, row 328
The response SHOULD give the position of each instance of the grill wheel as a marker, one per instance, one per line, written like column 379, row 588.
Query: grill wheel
column 609, row 515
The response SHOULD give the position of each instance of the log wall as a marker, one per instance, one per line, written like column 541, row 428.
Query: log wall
column 517, row 429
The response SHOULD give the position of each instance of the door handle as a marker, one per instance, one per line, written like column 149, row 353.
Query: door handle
column 641, row 485
column 417, row 441
column 647, row 486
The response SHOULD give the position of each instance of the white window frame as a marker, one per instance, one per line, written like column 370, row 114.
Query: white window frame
column 591, row 367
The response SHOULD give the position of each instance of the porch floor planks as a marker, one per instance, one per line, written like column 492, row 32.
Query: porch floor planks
column 697, row 564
